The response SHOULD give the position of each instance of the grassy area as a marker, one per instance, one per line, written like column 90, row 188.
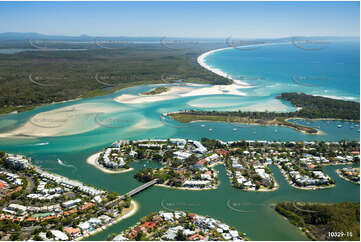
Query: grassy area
column 156, row 91
column 340, row 221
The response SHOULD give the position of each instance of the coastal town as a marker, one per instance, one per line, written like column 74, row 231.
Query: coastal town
column 39, row 205
column 188, row 164
column 180, row 226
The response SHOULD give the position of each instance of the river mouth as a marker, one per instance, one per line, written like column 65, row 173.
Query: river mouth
column 249, row 212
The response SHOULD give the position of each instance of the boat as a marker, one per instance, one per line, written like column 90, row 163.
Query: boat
column 234, row 129
column 202, row 125
column 339, row 126
column 210, row 129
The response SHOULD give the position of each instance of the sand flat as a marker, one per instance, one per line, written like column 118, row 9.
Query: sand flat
column 74, row 119
column 182, row 91
column 172, row 93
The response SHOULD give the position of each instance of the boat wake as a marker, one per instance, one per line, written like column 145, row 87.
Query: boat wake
column 40, row 144
column 60, row 162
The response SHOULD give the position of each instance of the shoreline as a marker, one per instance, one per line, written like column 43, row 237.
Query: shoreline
column 328, row 119
column 185, row 188
column 201, row 62
column 319, row 132
column 117, row 220
column 92, row 160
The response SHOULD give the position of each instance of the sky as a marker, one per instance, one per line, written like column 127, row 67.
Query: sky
column 183, row 19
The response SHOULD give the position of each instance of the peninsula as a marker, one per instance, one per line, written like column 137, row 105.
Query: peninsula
column 308, row 107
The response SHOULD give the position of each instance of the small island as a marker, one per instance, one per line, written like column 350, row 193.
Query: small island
column 308, row 107
column 157, row 90
column 339, row 221
column 179, row 226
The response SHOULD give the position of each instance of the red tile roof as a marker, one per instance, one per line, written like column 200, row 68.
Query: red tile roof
column 196, row 237
column 71, row 230
column 201, row 162
column 222, row 152
column 149, row 225
column 87, row 205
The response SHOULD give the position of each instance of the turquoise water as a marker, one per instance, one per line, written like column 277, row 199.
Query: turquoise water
column 332, row 71
column 274, row 65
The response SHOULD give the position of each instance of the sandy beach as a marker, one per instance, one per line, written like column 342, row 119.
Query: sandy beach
column 92, row 160
column 201, row 61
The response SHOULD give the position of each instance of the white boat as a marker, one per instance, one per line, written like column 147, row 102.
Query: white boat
column 234, row 129
column 339, row 126
column 210, row 129
column 202, row 125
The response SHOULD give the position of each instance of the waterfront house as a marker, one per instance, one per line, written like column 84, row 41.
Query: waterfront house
column 59, row 235
column 71, row 203
column 120, row 237
column 84, row 226
column 74, row 232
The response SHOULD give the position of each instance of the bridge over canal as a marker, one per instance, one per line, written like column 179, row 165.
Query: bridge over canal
column 140, row 188
column 134, row 191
